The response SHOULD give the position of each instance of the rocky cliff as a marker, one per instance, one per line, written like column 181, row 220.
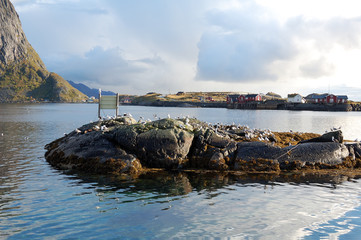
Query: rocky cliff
column 23, row 75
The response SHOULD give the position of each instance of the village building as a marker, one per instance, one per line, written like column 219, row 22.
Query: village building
column 91, row 99
column 209, row 99
column 232, row 98
column 326, row 98
column 249, row 98
column 126, row 100
column 243, row 98
column 295, row 98
column 342, row 99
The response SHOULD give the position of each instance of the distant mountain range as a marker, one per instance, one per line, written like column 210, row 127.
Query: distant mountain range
column 90, row 92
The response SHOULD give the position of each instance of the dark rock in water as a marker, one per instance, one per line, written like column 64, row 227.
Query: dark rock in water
column 253, row 150
column 123, row 146
column 354, row 148
column 325, row 153
column 335, row 136
column 91, row 152
column 164, row 143
column 164, row 147
column 330, row 153
column 211, row 151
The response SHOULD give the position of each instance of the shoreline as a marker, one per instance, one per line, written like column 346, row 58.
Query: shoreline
column 353, row 107
column 254, row 106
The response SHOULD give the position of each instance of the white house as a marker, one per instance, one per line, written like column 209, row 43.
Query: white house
column 295, row 98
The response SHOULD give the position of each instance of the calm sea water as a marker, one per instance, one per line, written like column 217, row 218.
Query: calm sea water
column 39, row 202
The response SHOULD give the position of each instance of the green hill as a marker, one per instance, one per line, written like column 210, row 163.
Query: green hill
column 23, row 75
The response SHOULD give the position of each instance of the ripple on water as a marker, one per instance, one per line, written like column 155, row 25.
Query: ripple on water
column 37, row 201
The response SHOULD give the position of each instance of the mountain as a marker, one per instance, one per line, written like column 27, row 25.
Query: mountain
column 23, row 75
column 90, row 92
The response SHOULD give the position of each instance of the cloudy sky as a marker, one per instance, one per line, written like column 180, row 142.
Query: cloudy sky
column 138, row 46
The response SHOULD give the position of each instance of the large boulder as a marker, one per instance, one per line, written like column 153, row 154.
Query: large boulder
column 334, row 136
column 211, row 150
column 163, row 143
column 164, row 147
column 330, row 153
column 90, row 151
column 325, row 153
column 253, row 150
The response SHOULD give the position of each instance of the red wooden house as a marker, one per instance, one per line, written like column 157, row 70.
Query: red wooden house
column 249, row 98
column 326, row 98
column 342, row 99
column 331, row 98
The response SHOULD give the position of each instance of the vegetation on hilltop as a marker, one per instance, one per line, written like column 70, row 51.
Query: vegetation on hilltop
column 23, row 75
column 56, row 89
column 28, row 80
column 180, row 96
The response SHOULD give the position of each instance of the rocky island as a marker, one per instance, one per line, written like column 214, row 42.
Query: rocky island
column 125, row 146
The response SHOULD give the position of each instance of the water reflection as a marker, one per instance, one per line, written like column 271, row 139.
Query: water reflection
column 259, row 206
column 37, row 201
column 205, row 182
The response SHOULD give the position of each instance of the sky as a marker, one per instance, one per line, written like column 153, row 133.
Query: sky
column 166, row 46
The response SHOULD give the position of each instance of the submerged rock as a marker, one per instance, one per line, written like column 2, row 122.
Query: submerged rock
column 123, row 145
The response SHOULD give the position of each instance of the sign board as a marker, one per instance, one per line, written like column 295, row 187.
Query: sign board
column 108, row 102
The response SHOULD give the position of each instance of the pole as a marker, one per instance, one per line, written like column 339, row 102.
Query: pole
column 100, row 96
column 117, row 106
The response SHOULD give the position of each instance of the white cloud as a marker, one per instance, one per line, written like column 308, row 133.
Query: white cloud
column 250, row 45
column 241, row 44
column 204, row 45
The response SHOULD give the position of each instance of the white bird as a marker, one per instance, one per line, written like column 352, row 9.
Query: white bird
column 2, row 134
column 187, row 121
column 168, row 116
column 103, row 128
column 78, row 131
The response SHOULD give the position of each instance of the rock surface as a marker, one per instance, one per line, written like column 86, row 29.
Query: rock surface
column 123, row 145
